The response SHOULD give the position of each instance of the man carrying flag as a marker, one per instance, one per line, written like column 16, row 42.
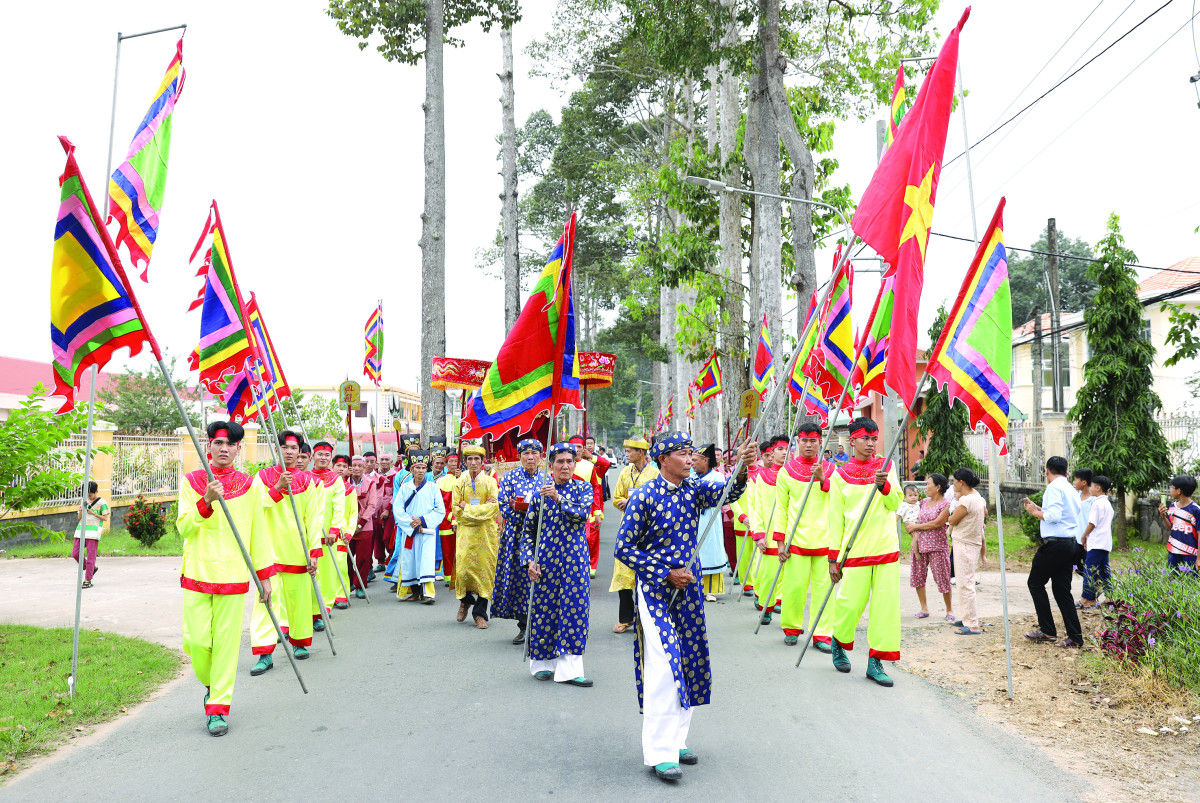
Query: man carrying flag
column 331, row 527
column 519, row 489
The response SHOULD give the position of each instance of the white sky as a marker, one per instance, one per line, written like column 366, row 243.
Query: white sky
column 314, row 152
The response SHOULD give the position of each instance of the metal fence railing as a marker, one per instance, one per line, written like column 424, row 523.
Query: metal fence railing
column 145, row 464
column 73, row 496
column 1183, row 438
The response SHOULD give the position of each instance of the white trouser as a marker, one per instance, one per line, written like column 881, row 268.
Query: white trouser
column 565, row 667
column 664, row 721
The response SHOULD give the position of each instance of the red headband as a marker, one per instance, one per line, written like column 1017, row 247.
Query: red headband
column 340, row 459
column 220, row 433
column 861, row 432
column 808, row 436
column 291, row 440
column 775, row 443
column 323, row 448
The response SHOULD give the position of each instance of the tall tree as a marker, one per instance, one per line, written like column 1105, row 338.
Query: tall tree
column 1118, row 436
column 140, row 401
column 1027, row 275
column 508, row 197
column 412, row 30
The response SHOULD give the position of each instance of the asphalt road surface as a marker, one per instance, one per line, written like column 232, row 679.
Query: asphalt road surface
column 418, row 706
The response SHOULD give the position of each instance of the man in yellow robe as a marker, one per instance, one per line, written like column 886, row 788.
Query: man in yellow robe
column 475, row 502
column 639, row 472
column 214, row 575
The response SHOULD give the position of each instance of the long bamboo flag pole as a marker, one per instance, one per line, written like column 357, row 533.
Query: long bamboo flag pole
column 73, row 680
column 537, row 542
column 737, row 468
column 120, row 270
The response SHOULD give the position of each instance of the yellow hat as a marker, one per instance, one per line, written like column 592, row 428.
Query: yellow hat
column 470, row 449
column 637, row 443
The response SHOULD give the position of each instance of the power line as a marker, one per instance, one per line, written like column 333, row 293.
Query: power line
column 1008, row 247
column 1042, row 96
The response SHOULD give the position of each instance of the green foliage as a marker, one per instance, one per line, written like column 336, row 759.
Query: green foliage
column 140, row 400
column 115, row 673
column 401, row 23
column 1115, row 408
column 322, row 418
column 944, row 424
column 1184, row 332
column 1150, row 620
column 1027, row 278
column 33, row 467
column 145, row 521
column 1030, row 525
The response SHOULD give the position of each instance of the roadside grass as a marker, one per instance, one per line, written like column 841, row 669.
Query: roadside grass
column 36, row 711
column 117, row 543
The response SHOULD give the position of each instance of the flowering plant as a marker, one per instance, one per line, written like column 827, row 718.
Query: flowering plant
column 145, row 522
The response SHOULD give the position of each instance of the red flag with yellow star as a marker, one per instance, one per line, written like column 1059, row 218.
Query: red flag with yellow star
column 896, row 211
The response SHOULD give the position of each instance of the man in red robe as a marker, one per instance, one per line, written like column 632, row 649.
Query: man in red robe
column 591, row 468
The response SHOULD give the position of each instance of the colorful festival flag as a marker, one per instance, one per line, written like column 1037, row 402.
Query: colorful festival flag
column 764, row 360
column 896, row 211
column 815, row 405
column 274, row 383
column 708, row 382
column 873, row 342
column 537, row 369
column 92, row 310
column 691, row 400
column 973, row 355
column 897, row 109
column 373, row 362
column 669, row 413
column 137, row 186
column 835, row 351
column 796, row 380
column 225, row 355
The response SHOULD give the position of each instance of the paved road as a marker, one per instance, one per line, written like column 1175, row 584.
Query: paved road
column 417, row 704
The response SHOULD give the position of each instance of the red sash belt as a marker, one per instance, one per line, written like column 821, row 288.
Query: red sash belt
column 797, row 550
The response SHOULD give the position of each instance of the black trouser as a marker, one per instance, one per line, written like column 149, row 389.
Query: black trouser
column 625, row 612
column 1053, row 563
column 478, row 605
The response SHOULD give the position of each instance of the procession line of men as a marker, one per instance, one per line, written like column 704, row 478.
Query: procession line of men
column 537, row 570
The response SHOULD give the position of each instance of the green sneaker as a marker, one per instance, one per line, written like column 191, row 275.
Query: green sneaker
column 668, row 771
column 300, row 652
column 341, row 606
column 265, row 662
column 543, row 675
column 318, row 625
column 206, row 701
column 766, row 618
column 875, row 672
column 822, row 646
column 217, row 725
column 840, row 662
column 791, row 640
column 688, row 757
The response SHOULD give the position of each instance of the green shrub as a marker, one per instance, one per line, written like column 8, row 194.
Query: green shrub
column 145, row 522
column 1152, row 618
column 1031, row 526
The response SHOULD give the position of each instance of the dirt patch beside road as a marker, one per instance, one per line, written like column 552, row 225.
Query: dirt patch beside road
column 1088, row 716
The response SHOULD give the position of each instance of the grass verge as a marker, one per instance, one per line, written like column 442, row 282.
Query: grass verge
column 36, row 712
column 114, row 544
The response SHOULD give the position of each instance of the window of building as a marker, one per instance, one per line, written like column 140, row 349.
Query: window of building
column 1064, row 357
column 1146, row 333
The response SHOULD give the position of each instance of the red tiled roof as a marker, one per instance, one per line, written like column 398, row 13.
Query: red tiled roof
column 19, row 376
column 1181, row 275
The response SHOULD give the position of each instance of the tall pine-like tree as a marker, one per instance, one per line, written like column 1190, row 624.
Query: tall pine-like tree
column 1118, row 436
column 944, row 424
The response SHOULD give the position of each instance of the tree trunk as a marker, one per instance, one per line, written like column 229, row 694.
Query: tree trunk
column 803, row 180
column 508, row 169
column 666, row 338
column 1121, row 520
column 770, row 246
column 433, row 225
column 730, row 232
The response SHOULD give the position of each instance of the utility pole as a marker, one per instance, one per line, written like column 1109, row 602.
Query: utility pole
column 1055, row 313
column 1038, row 366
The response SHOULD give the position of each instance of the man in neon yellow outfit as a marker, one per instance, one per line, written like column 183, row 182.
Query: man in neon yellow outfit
column 335, row 514
column 349, row 523
column 871, row 572
column 214, row 576
column 804, row 571
column 762, row 515
column 743, row 542
column 293, row 595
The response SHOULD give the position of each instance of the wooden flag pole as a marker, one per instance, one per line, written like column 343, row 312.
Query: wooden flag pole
column 537, row 545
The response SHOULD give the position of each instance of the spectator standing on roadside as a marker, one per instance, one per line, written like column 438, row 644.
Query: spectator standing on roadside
column 1082, row 481
column 970, row 546
column 1097, row 541
column 87, row 534
column 1059, row 514
column 930, row 547
column 1183, row 523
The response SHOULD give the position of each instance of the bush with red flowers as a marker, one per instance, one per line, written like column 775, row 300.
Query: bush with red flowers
column 145, row 522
